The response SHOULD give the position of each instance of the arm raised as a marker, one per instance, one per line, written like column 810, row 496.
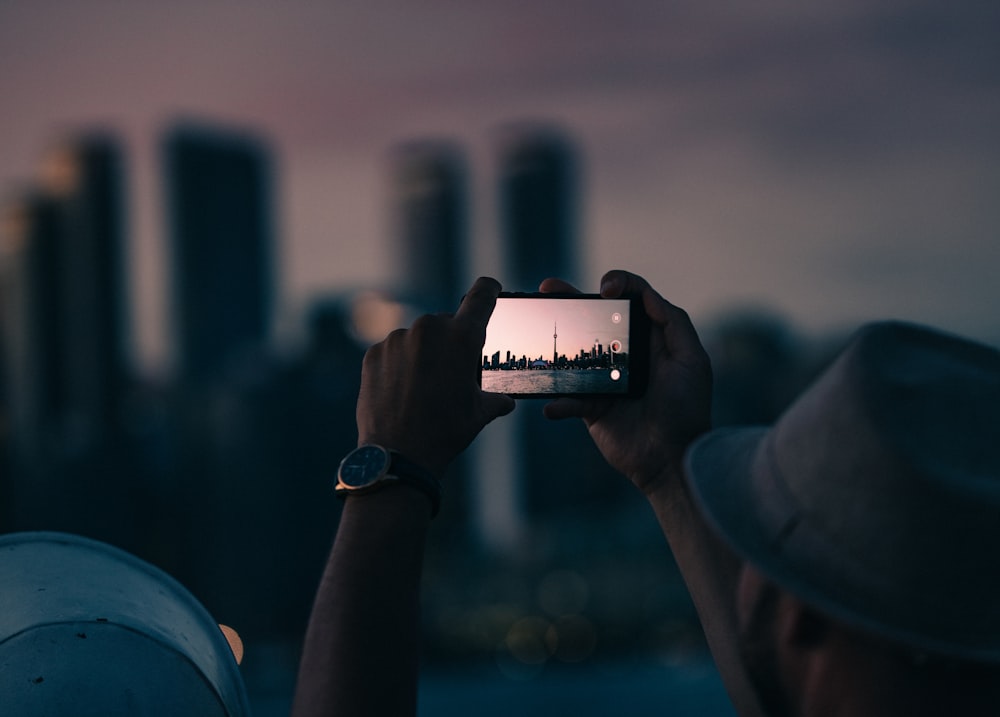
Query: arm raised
column 361, row 648
column 645, row 439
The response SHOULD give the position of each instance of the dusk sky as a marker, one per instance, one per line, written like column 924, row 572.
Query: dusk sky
column 834, row 162
column 525, row 327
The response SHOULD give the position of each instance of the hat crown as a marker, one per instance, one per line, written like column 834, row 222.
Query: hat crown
column 876, row 495
column 903, row 419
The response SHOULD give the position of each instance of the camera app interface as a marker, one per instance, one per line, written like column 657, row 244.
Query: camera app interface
column 557, row 346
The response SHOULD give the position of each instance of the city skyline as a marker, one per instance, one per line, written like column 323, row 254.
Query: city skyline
column 836, row 163
column 526, row 326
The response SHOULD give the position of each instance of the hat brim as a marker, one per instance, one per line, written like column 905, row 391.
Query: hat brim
column 719, row 469
column 754, row 520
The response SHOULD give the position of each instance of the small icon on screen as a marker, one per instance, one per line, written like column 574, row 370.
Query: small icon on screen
column 616, row 374
column 616, row 318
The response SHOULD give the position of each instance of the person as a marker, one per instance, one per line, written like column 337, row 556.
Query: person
column 845, row 561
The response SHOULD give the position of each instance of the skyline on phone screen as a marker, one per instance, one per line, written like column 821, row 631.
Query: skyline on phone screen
column 525, row 326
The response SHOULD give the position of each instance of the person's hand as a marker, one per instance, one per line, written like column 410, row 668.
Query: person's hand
column 420, row 391
column 645, row 437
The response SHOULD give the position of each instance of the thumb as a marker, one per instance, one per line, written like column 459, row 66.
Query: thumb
column 496, row 404
column 563, row 408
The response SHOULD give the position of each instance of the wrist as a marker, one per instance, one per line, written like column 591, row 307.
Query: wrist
column 660, row 482
column 396, row 506
column 416, row 452
column 371, row 468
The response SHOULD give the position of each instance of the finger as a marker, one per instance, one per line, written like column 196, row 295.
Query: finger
column 477, row 304
column 496, row 405
column 557, row 286
column 679, row 333
column 562, row 408
column 617, row 283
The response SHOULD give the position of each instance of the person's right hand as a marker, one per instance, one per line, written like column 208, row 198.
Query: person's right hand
column 420, row 392
column 645, row 437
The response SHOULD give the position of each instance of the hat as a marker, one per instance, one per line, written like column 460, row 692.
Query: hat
column 875, row 497
column 87, row 629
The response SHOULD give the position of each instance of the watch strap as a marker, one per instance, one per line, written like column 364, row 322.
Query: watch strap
column 412, row 474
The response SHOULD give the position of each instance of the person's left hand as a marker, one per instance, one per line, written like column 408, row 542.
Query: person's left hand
column 420, row 392
column 645, row 437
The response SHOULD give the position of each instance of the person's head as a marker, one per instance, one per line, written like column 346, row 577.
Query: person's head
column 799, row 658
column 87, row 629
column 868, row 515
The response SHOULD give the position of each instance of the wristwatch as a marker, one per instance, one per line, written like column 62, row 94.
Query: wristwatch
column 369, row 468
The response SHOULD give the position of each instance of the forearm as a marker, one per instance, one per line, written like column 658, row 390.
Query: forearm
column 361, row 650
column 361, row 647
column 711, row 572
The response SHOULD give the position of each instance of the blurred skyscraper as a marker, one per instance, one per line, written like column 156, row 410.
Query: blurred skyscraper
column 95, row 290
column 66, row 301
column 226, row 459
column 560, row 470
column 33, row 322
column 429, row 183
column 430, row 196
column 539, row 200
column 220, row 214
column 68, row 374
column 5, row 465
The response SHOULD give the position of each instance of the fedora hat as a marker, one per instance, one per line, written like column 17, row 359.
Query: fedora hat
column 875, row 497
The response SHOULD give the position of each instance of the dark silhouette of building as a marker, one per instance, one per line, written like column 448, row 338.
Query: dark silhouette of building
column 255, row 434
column 68, row 370
column 258, row 455
column 538, row 199
column 429, row 185
column 66, row 301
column 561, row 470
column 33, row 322
column 429, row 199
column 760, row 364
column 225, row 459
column 5, row 464
column 219, row 199
column 94, row 290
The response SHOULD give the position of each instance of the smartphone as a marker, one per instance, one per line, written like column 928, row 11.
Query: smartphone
column 548, row 345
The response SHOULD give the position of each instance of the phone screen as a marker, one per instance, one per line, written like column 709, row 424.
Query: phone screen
column 545, row 345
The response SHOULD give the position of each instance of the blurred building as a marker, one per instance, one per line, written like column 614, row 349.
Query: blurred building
column 539, row 197
column 256, row 434
column 429, row 196
column 264, row 448
column 429, row 206
column 97, row 375
column 5, row 464
column 220, row 215
column 33, row 323
column 226, row 461
column 66, row 300
column 560, row 469
column 68, row 373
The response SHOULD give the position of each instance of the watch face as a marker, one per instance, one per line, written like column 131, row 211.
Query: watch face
column 363, row 466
